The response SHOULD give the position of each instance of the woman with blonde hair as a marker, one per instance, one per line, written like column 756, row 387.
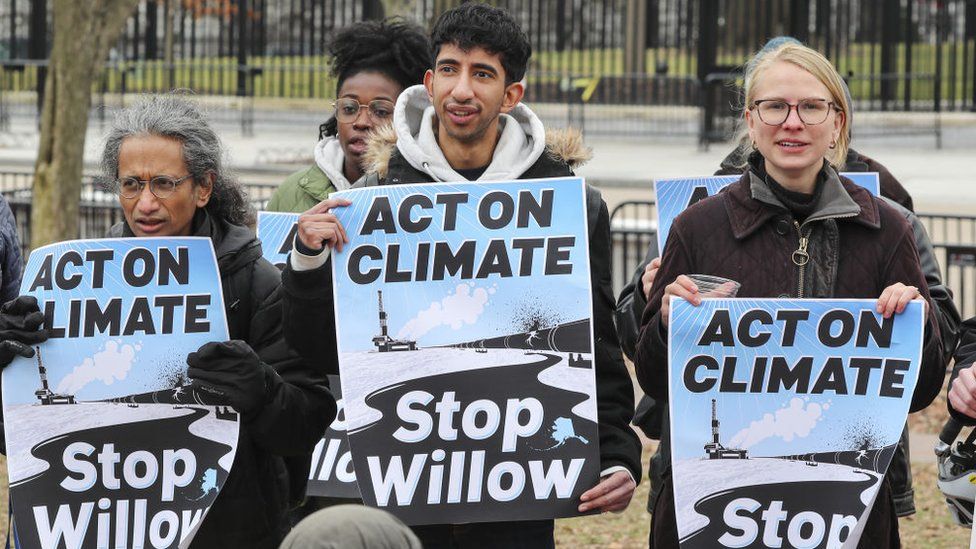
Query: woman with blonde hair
column 791, row 227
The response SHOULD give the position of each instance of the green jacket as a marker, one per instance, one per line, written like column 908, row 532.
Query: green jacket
column 301, row 190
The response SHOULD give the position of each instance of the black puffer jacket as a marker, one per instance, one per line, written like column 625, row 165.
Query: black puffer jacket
column 250, row 510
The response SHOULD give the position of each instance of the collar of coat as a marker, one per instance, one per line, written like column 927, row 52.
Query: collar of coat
column 751, row 203
column 565, row 145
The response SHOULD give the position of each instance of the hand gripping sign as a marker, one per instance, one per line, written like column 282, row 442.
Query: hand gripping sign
column 107, row 445
column 463, row 325
column 784, row 417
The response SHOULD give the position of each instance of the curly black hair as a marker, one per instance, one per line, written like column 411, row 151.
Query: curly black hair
column 473, row 25
column 392, row 47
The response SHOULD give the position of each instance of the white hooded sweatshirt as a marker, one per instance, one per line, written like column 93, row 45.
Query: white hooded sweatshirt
column 521, row 142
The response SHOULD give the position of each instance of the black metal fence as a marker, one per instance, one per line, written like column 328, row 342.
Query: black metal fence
column 887, row 44
column 633, row 226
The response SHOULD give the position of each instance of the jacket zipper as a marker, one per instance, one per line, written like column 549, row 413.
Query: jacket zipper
column 801, row 257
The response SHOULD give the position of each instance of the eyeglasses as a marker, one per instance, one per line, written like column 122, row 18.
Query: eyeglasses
column 811, row 111
column 347, row 110
column 162, row 186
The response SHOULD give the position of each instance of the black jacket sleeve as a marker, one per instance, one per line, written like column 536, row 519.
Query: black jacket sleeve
column 946, row 311
column 309, row 315
column 300, row 406
column 903, row 266
column 619, row 444
column 651, row 354
column 631, row 304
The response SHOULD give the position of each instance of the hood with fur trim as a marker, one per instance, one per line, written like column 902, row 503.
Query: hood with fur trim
column 523, row 140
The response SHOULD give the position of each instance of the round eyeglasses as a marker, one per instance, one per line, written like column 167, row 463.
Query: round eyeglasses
column 162, row 186
column 811, row 111
column 347, row 110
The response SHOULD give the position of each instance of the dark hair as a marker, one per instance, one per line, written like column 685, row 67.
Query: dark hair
column 392, row 47
column 482, row 26
column 173, row 116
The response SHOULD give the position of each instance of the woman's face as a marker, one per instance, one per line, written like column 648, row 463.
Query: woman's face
column 794, row 150
column 364, row 87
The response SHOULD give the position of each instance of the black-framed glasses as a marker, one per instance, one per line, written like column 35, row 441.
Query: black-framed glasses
column 812, row 111
column 347, row 110
column 162, row 186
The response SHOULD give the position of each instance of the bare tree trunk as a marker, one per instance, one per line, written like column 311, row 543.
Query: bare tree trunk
column 83, row 32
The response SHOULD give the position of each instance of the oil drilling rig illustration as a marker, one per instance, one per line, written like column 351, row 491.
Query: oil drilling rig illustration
column 383, row 342
column 45, row 394
column 714, row 449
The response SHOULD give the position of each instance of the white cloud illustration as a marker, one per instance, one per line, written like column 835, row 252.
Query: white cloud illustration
column 107, row 366
column 464, row 306
column 792, row 420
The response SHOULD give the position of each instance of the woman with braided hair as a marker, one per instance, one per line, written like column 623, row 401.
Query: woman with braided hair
column 372, row 62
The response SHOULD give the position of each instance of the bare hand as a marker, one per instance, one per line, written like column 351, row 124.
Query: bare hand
column 896, row 297
column 647, row 280
column 682, row 287
column 962, row 395
column 612, row 493
column 319, row 227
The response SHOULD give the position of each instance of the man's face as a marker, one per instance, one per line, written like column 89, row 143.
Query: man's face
column 468, row 91
column 145, row 157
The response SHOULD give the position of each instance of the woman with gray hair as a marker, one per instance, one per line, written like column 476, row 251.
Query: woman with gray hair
column 164, row 161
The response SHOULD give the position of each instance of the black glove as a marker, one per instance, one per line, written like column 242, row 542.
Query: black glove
column 20, row 328
column 233, row 371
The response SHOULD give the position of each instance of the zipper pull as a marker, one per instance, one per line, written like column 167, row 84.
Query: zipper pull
column 800, row 256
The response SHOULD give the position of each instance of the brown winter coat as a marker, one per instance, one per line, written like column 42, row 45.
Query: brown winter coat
column 858, row 247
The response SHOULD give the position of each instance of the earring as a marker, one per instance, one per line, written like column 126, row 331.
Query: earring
column 754, row 147
column 833, row 144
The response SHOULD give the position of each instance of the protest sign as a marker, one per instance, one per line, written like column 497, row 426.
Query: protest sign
column 784, row 417
column 107, row 446
column 465, row 345
column 331, row 473
column 675, row 195
column 276, row 231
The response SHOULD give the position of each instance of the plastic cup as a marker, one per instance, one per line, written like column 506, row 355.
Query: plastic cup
column 715, row 286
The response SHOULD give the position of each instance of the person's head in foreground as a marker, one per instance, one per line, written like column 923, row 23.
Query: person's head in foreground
column 165, row 163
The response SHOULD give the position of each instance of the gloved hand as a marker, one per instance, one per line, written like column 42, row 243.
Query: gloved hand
column 232, row 371
column 20, row 328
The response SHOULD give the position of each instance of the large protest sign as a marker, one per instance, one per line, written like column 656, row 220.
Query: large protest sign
column 784, row 417
column 331, row 473
column 276, row 231
column 107, row 445
column 466, row 350
column 676, row 195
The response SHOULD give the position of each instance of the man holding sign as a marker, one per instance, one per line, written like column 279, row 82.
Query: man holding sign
column 467, row 123
column 165, row 163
